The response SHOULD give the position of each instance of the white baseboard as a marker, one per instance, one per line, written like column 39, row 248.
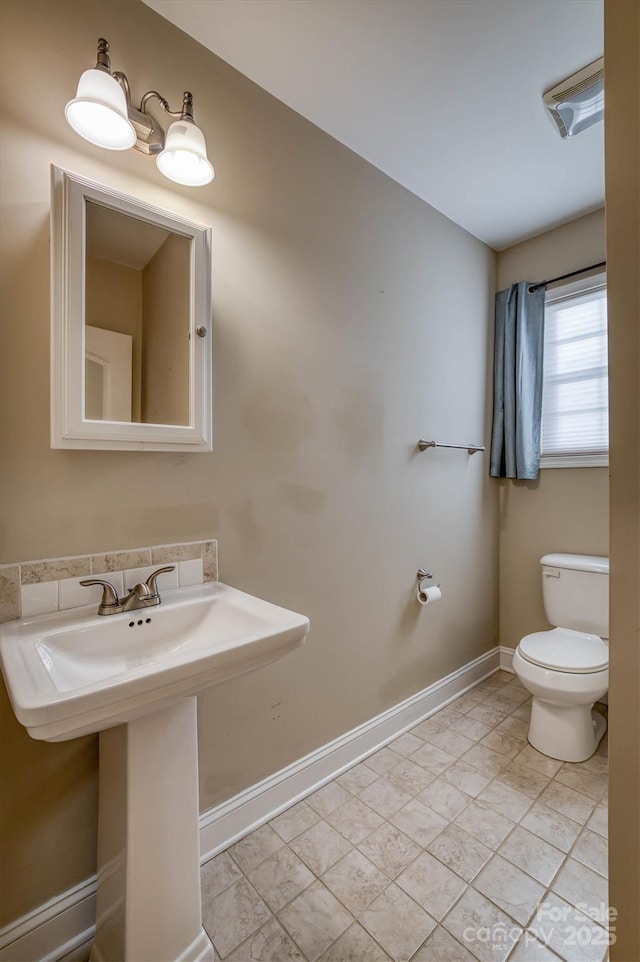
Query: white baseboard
column 53, row 929
column 65, row 922
column 226, row 823
column 506, row 658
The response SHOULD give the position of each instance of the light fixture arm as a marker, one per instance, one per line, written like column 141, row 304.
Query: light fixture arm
column 186, row 113
column 124, row 83
column 150, row 94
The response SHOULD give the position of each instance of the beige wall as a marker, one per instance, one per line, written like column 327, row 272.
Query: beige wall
column 166, row 286
column 114, row 303
column 566, row 509
column 622, row 154
column 340, row 304
column 570, row 247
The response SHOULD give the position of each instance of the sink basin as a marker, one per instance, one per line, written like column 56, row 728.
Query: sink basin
column 73, row 672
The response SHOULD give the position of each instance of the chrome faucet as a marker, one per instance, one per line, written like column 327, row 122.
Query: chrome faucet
column 140, row 596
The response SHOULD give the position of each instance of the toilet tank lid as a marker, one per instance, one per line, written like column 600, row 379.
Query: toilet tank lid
column 577, row 562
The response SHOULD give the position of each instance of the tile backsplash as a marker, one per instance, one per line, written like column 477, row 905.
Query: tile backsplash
column 38, row 587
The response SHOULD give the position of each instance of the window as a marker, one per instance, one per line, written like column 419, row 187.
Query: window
column 575, row 409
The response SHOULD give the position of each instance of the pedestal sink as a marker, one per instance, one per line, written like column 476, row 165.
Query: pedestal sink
column 134, row 677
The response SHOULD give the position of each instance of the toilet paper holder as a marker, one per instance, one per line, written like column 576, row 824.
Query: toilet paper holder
column 423, row 574
column 426, row 591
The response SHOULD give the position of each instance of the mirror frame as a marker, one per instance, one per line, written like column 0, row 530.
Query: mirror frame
column 69, row 427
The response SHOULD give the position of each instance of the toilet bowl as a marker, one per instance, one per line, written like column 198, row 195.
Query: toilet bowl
column 566, row 669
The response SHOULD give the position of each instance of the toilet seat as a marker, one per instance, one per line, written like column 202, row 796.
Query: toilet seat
column 564, row 650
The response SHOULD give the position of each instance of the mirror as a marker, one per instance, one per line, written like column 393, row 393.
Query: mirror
column 136, row 316
column 131, row 346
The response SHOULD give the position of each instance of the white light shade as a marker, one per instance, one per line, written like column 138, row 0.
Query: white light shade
column 184, row 158
column 99, row 112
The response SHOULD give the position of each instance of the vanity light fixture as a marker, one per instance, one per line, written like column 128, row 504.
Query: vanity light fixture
column 103, row 114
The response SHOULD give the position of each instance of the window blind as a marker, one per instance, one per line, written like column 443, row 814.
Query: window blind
column 575, row 410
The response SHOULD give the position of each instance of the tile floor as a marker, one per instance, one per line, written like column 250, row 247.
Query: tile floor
column 457, row 842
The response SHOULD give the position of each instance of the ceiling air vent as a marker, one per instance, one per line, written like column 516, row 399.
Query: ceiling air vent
column 577, row 102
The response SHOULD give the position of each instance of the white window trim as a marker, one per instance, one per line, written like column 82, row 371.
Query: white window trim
column 592, row 459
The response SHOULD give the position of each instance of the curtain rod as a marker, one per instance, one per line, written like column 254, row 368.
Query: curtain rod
column 563, row 277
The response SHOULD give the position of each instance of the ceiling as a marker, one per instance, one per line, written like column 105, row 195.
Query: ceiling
column 121, row 239
column 444, row 96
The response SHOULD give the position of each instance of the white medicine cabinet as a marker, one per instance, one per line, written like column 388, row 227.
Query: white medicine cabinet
column 131, row 364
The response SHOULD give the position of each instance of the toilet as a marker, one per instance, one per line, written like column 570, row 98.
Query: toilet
column 566, row 669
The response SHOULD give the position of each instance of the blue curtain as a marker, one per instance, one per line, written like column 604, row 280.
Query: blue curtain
column 517, row 384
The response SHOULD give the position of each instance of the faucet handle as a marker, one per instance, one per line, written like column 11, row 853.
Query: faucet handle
column 152, row 579
column 109, row 595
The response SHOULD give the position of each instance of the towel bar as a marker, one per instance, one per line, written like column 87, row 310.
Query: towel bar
column 471, row 448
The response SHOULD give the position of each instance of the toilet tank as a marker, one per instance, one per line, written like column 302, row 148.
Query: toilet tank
column 575, row 591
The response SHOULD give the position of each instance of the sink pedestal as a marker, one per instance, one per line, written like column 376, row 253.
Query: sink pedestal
column 149, row 906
